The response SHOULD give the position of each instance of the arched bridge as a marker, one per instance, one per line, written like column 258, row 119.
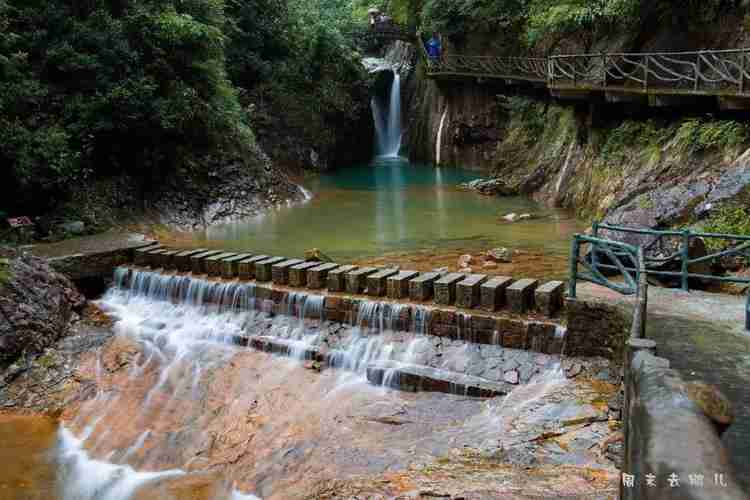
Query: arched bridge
column 661, row 78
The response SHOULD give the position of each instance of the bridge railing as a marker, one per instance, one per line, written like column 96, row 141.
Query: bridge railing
column 524, row 68
column 701, row 72
column 711, row 71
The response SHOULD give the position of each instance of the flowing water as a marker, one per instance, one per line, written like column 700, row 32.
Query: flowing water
column 182, row 412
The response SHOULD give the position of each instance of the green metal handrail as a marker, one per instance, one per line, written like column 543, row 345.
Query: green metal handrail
column 683, row 254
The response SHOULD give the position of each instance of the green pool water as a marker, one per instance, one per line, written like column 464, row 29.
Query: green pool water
column 395, row 206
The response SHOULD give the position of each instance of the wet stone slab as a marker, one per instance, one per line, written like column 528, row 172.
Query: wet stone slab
column 299, row 274
column 197, row 262
column 182, row 261
column 264, row 268
column 280, row 271
column 468, row 291
column 521, row 295
column 356, row 281
column 493, row 296
column 214, row 263
column 549, row 298
column 398, row 285
column 421, row 288
column 377, row 283
column 230, row 267
column 418, row 378
column 317, row 277
column 445, row 288
column 337, row 278
column 246, row 267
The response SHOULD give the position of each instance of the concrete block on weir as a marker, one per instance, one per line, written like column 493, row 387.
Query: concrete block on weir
column 181, row 260
column 377, row 283
column 167, row 259
column 521, row 295
column 398, row 285
column 246, row 267
column 317, row 277
column 197, row 262
column 468, row 291
column 445, row 288
column 280, row 271
column 230, row 266
column 421, row 288
column 493, row 293
column 141, row 254
column 299, row 274
column 549, row 297
column 213, row 263
column 264, row 268
column 337, row 278
column 153, row 258
column 356, row 281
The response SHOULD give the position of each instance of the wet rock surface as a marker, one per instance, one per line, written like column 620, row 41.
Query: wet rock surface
column 36, row 307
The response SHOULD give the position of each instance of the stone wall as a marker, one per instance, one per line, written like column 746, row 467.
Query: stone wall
column 673, row 447
column 596, row 329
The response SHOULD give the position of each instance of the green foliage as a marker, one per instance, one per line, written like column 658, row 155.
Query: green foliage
column 700, row 134
column 645, row 135
column 95, row 88
column 729, row 219
column 528, row 115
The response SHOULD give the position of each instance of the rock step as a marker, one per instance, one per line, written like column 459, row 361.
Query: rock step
column 377, row 283
column 264, row 268
column 317, row 277
column 398, row 285
column 198, row 261
column 230, row 267
column 356, row 280
column 337, row 278
column 468, row 291
column 418, row 378
column 181, row 260
column 246, row 267
column 493, row 293
column 445, row 288
column 549, row 297
column 299, row 274
column 521, row 295
column 213, row 264
column 422, row 288
column 280, row 271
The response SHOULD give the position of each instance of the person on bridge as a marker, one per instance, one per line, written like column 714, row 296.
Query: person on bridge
column 434, row 47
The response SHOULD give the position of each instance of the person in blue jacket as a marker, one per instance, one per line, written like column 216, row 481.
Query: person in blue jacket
column 434, row 47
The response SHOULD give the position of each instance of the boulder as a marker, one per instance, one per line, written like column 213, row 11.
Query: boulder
column 510, row 217
column 500, row 255
column 465, row 261
column 490, row 187
column 73, row 227
column 37, row 305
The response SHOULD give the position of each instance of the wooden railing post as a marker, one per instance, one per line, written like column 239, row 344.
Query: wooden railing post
column 685, row 251
column 574, row 254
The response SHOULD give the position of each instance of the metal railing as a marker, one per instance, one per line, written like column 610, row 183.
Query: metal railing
column 705, row 72
column 665, row 247
column 628, row 259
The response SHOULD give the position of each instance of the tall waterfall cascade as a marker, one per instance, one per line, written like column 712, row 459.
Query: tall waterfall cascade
column 388, row 131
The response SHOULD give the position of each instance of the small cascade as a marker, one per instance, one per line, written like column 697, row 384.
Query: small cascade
column 388, row 131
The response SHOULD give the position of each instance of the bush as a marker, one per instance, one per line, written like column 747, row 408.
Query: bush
column 699, row 134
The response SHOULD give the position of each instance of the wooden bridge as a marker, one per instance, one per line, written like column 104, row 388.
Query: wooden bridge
column 660, row 78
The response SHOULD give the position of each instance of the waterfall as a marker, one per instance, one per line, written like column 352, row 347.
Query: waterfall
column 388, row 124
column 439, row 141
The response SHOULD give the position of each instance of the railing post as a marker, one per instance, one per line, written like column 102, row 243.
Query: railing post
column 743, row 55
column 595, row 233
column 685, row 251
column 574, row 254
column 645, row 73
column 747, row 312
column 638, row 329
column 550, row 71
column 604, row 70
column 697, row 71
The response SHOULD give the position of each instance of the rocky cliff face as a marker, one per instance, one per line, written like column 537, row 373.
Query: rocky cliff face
column 36, row 307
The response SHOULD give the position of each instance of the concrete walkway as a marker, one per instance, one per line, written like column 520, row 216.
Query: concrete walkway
column 703, row 336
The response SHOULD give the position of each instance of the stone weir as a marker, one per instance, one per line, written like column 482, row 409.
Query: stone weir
column 405, row 346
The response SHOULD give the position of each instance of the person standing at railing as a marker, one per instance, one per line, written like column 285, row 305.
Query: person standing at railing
column 434, row 47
